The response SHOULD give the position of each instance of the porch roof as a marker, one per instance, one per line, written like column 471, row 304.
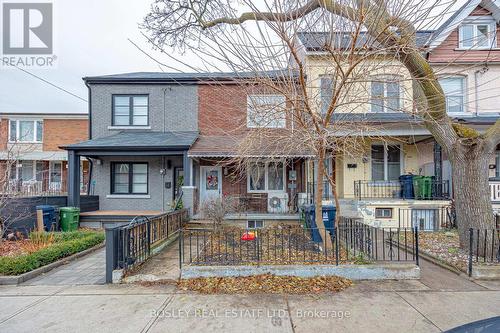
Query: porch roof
column 127, row 141
column 226, row 146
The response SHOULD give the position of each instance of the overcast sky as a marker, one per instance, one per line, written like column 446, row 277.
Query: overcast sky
column 90, row 39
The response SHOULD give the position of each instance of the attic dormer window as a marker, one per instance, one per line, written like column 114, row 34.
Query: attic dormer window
column 477, row 34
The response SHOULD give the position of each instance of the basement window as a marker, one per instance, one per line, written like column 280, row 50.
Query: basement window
column 255, row 224
column 383, row 213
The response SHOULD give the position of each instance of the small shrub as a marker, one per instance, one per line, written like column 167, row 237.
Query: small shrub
column 65, row 245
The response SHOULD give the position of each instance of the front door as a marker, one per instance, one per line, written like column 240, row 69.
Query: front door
column 211, row 183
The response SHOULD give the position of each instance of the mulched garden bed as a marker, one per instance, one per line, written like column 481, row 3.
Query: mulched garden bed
column 265, row 283
column 276, row 245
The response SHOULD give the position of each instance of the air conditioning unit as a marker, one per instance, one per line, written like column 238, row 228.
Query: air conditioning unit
column 302, row 199
column 277, row 203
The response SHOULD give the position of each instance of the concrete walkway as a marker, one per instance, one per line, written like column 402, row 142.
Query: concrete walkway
column 388, row 306
column 89, row 269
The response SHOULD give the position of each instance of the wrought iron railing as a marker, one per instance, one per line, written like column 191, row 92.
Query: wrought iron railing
column 425, row 190
column 130, row 245
column 352, row 241
column 312, row 187
column 426, row 219
column 484, row 247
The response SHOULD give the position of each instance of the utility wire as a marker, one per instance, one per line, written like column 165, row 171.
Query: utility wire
column 45, row 81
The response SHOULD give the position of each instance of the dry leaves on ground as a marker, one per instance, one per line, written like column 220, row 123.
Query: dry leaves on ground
column 266, row 283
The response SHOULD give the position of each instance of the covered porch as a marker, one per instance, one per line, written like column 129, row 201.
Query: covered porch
column 133, row 173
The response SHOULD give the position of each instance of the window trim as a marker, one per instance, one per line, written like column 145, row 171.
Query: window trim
column 282, row 121
column 385, row 79
column 255, row 222
column 464, row 92
column 391, row 210
column 266, row 177
column 17, row 165
column 130, row 178
column 130, row 111
column 492, row 40
column 386, row 169
column 35, row 130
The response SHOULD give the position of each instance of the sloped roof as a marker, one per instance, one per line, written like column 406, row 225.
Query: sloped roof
column 142, row 140
column 316, row 41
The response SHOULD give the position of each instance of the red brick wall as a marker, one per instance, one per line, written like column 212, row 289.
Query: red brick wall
column 60, row 132
column 447, row 51
column 221, row 109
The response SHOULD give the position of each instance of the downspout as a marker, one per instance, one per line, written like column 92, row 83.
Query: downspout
column 91, row 167
column 91, row 163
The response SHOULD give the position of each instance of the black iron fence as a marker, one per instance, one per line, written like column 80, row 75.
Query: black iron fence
column 426, row 219
column 352, row 241
column 484, row 247
column 428, row 190
column 130, row 245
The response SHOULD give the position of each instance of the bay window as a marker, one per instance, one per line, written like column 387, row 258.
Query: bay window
column 25, row 131
column 266, row 176
column 386, row 162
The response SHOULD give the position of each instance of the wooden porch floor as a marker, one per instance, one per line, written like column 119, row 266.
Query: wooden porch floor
column 121, row 213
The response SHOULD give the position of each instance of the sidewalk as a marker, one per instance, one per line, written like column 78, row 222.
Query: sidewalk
column 387, row 306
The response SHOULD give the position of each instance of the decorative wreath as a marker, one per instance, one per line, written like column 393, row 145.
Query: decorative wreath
column 212, row 181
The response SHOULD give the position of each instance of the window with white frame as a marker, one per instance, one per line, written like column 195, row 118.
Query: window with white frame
column 385, row 94
column 386, row 162
column 130, row 110
column 326, row 92
column 477, row 34
column 454, row 93
column 255, row 224
column 25, row 130
column 27, row 171
column 266, row 176
column 266, row 111
column 384, row 213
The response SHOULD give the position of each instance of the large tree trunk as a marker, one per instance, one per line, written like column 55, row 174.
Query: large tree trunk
column 471, row 189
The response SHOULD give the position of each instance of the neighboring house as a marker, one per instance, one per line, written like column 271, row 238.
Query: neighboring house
column 267, row 187
column 30, row 156
column 369, row 185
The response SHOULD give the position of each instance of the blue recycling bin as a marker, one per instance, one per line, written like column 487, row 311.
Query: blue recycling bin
column 49, row 217
column 407, row 191
column 328, row 212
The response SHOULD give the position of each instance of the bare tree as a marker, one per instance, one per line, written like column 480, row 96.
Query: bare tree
column 223, row 31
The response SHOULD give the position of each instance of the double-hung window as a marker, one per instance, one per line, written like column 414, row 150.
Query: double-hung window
column 266, row 176
column 454, row 93
column 129, row 178
column 326, row 92
column 477, row 34
column 386, row 162
column 25, row 131
column 385, row 94
column 266, row 111
column 130, row 110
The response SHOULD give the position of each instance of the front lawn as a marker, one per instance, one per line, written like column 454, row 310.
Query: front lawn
column 43, row 248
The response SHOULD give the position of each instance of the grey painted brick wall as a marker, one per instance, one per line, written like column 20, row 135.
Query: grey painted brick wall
column 171, row 107
column 102, row 178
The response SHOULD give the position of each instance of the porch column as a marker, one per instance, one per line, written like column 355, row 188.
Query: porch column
column 438, row 162
column 186, row 166
column 73, row 179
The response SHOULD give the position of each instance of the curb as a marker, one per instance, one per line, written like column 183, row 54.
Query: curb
column 17, row 279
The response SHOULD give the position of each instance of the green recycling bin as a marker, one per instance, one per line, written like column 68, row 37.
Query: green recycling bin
column 70, row 217
column 422, row 186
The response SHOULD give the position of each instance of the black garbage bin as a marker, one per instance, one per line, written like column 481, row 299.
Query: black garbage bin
column 407, row 191
column 49, row 217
